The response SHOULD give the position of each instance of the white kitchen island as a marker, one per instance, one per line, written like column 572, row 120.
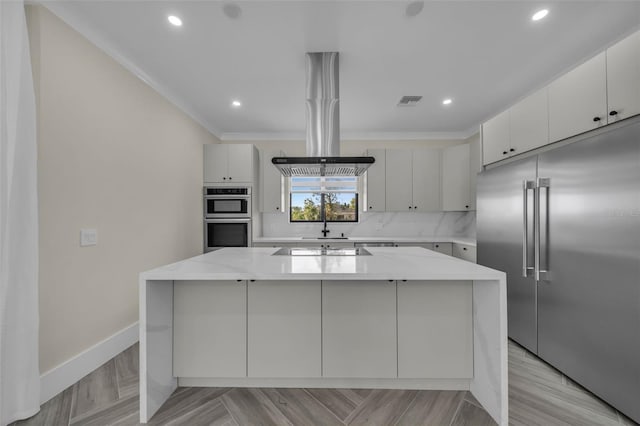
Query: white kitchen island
column 402, row 317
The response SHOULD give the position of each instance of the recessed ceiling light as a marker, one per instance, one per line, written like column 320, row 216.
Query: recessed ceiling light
column 174, row 20
column 236, row 104
column 539, row 15
column 447, row 101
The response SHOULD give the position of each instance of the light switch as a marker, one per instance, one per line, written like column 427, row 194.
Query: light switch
column 88, row 237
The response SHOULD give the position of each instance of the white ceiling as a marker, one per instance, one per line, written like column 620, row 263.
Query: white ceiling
column 485, row 55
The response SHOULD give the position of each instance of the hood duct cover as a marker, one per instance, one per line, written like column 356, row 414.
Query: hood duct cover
column 323, row 125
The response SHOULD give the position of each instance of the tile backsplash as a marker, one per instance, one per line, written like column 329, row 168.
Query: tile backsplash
column 386, row 224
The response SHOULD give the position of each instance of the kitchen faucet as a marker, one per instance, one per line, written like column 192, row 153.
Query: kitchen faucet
column 325, row 231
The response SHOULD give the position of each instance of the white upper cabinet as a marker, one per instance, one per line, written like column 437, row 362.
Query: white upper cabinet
column 413, row 179
column 578, row 100
column 229, row 163
column 399, row 177
column 426, row 179
column 376, row 181
column 521, row 128
column 456, row 193
column 495, row 138
column 529, row 123
column 623, row 78
column 270, row 183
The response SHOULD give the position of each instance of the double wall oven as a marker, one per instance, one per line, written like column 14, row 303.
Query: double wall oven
column 227, row 217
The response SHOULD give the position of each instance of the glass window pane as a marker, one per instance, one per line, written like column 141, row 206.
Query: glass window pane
column 305, row 207
column 341, row 207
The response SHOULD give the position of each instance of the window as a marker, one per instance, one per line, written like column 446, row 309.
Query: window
column 313, row 198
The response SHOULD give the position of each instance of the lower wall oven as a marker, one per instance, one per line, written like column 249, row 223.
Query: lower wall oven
column 219, row 233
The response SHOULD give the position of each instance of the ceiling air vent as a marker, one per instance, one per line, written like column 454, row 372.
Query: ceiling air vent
column 409, row 101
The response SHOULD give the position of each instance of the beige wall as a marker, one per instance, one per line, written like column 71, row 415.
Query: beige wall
column 112, row 155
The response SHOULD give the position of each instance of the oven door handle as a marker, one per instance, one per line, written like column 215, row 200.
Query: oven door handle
column 227, row 220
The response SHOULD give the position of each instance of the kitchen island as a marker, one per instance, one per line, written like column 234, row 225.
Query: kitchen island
column 400, row 317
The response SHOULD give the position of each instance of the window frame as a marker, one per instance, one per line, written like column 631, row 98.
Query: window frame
column 322, row 193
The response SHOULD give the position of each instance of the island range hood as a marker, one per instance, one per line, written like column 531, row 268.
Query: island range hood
column 323, row 125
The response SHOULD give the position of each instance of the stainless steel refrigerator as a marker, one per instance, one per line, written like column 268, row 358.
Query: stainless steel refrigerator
column 565, row 227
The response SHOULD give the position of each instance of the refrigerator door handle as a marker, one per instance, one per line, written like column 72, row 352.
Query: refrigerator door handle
column 526, row 186
column 545, row 183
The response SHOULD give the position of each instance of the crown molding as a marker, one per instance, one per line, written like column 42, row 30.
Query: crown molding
column 351, row 136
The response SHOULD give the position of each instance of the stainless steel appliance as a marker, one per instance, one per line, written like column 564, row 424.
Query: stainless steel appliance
column 219, row 233
column 227, row 202
column 227, row 217
column 565, row 227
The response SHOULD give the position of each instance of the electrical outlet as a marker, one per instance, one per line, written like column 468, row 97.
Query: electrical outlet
column 88, row 237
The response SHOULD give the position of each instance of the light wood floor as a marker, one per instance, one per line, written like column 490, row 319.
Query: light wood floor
column 538, row 395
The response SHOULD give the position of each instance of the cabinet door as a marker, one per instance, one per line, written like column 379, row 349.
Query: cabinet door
column 359, row 329
column 215, row 163
column 475, row 167
column 464, row 251
column 240, row 163
column 270, row 184
column 423, row 245
column 578, row 100
column 376, row 181
column 623, row 78
column 444, row 248
column 435, row 329
column 399, row 176
column 284, row 329
column 455, row 178
column 210, row 328
column 529, row 121
column 426, row 179
column 495, row 138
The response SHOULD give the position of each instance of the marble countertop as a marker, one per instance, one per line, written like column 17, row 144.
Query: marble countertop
column 385, row 263
column 459, row 240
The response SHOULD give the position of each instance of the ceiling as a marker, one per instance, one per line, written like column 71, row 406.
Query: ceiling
column 484, row 55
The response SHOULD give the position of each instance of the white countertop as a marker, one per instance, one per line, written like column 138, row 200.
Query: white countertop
column 385, row 263
column 459, row 240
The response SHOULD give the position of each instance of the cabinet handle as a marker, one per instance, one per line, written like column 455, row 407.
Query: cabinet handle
column 253, row 281
column 390, row 281
column 409, row 207
column 224, row 178
column 596, row 119
column 466, row 207
column 504, row 153
column 613, row 113
column 512, row 150
column 229, row 177
column 370, row 207
column 464, row 248
column 238, row 281
column 277, row 208
column 415, row 207
column 437, row 245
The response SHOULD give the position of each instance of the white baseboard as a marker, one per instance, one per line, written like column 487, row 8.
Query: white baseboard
column 69, row 372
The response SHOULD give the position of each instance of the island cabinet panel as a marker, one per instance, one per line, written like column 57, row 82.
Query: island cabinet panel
column 210, row 329
column 444, row 248
column 359, row 329
column 435, row 329
column 284, row 328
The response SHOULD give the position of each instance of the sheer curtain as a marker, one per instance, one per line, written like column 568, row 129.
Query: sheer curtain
column 19, row 376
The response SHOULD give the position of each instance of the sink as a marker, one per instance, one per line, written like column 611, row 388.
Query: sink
column 325, row 238
column 300, row 251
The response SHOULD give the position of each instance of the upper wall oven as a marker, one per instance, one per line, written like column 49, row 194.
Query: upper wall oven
column 226, row 202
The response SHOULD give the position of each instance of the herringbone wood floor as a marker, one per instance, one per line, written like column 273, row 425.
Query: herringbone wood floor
column 538, row 395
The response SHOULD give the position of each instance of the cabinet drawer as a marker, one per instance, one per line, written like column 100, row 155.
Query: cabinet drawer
column 465, row 252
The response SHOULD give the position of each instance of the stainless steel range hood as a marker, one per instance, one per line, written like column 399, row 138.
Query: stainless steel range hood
column 323, row 125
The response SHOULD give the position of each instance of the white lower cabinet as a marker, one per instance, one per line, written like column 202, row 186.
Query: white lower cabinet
column 210, row 328
column 284, row 329
column 359, row 329
column 465, row 252
column 435, row 329
column 444, row 248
